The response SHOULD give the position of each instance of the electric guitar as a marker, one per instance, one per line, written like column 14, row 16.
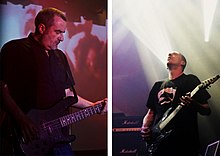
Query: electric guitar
column 50, row 123
column 158, row 132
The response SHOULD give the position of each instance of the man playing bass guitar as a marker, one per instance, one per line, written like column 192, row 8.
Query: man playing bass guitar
column 168, row 94
column 39, row 79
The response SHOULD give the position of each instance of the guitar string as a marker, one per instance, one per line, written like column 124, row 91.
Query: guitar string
column 71, row 118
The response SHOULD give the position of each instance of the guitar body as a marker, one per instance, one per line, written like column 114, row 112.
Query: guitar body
column 154, row 142
column 51, row 124
column 45, row 143
column 157, row 135
column 50, row 130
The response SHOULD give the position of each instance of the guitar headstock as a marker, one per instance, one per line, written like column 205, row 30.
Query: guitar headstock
column 208, row 82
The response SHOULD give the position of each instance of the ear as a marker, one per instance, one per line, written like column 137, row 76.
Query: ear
column 41, row 28
column 183, row 63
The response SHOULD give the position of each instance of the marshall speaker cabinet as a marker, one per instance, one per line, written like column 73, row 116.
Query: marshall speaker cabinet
column 126, row 139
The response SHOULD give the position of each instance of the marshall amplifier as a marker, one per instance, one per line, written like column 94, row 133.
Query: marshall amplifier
column 126, row 135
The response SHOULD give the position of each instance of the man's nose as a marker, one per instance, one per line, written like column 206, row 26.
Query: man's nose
column 61, row 37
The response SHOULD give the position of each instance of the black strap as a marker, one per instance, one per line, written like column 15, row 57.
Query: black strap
column 66, row 68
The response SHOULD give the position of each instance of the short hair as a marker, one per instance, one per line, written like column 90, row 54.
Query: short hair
column 46, row 17
column 183, row 59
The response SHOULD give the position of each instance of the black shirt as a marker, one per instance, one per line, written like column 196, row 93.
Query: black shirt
column 184, row 138
column 34, row 79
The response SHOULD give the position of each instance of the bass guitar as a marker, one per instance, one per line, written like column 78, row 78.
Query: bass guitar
column 158, row 132
column 50, row 123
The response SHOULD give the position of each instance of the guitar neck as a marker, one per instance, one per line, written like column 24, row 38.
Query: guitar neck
column 194, row 91
column 80, row 115
column 177, row 109
column 170, row 117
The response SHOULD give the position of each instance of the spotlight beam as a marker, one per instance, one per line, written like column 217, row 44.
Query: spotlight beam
column 209, row 7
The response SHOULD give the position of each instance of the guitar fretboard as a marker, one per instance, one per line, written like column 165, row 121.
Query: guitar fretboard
column 80, row 115
column 178, row 108
column 71, row 118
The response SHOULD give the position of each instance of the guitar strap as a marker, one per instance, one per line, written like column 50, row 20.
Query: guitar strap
column 64, row 62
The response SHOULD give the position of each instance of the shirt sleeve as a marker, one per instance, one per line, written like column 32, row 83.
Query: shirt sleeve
column 152, row 98
column 202, row 94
